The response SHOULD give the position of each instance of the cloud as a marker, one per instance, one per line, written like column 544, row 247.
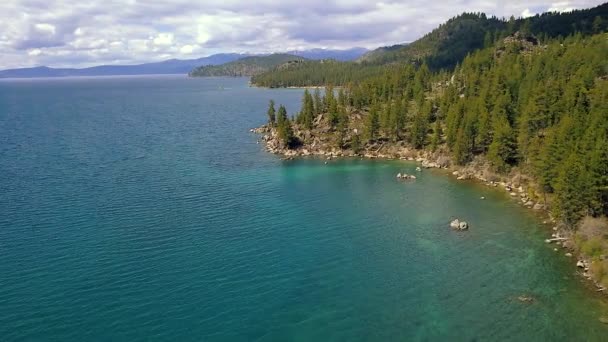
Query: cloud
column 527, row 13
column 163, row 39
column 34, row 52
column 563, row 6
column 65, row 33
column 186, row 49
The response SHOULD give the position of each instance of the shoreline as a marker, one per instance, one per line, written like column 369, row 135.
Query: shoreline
column 560, row 238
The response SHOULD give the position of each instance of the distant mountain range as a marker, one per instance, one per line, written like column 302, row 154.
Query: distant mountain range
column 172, row 66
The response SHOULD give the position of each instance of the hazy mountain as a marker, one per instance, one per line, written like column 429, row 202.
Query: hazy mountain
column 172, row 66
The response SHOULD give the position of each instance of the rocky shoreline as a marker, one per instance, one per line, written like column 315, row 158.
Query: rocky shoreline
column 515, row 184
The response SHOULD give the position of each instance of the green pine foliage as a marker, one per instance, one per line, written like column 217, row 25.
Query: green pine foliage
column 541, row 108
column 271, row 113
column 443, row 48
column 247, row 66
column 284, row 128
column 307, row 113
column 530, row 94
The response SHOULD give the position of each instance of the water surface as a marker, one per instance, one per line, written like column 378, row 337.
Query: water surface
column 141, row 208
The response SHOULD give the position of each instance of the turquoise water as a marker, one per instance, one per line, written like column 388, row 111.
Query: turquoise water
column 142, row 209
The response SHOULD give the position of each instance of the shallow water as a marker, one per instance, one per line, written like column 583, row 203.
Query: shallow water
column 141, row 208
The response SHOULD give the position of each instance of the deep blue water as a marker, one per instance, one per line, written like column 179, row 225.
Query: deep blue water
column 142, row 209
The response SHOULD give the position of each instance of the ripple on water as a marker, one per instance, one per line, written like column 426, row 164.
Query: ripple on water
column 155, row 216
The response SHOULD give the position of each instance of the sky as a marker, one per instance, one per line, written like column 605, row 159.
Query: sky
column 81, row 33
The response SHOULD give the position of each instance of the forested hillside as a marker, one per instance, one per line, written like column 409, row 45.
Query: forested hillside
column 443, row 48
column 538, row 111
column 315, row 73
column 448, row 44
column 543, row 109
column 247, row 66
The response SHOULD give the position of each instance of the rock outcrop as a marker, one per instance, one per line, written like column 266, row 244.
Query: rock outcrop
column 459, row 225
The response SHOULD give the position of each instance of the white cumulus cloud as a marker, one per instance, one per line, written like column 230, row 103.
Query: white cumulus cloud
column 67, row 33
column 186, row 49
column 164, row 39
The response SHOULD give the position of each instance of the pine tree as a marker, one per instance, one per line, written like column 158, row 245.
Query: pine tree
column 341, row 128
column 284, row 129
column 342, row 98
column 488, row 39
column 306, row 116
column 461, row 150
column 372, row 124
column 420, row 125
column 385, row 119
column 571, row 190
column 502, row 150
column 318, row 101
column 329, row 98
column 436, row 138
column 271, row 113
column 598, row 25
column 355, row 143
column 484, row 127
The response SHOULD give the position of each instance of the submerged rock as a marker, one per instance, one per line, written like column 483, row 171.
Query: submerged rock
column 405, row 176
column 459, row 225
column 525, row 299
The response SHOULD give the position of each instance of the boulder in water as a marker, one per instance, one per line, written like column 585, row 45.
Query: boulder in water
column 525, row 299
column 459, row 225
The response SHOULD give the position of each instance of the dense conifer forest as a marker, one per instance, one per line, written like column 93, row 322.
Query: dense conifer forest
column 247, row 66
column 441, row 49
column 533, row 98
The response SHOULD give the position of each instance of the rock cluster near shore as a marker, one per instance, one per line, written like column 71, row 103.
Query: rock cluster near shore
column 405, row 176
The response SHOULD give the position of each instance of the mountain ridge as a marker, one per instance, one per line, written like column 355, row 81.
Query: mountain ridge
column 246, row 66
column 170, row 66
column 448, row 44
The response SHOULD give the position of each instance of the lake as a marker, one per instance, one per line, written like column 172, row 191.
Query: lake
column 142, row 209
